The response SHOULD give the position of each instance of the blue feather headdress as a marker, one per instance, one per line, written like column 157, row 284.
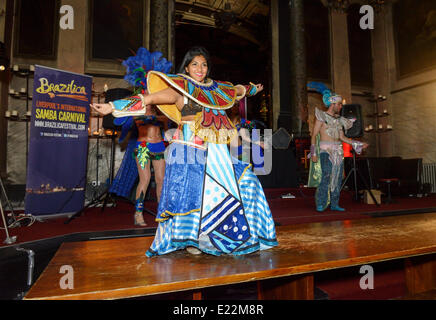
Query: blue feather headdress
column 328, row 97
column 136, row 74
column 144, row 61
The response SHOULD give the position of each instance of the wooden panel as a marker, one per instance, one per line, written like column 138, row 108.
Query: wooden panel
column 428, row 295
column 197, row 295
column 288, row 288
column 420, row 274
column 118, row 268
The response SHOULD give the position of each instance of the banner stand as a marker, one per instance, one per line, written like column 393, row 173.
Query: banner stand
column 58, row 149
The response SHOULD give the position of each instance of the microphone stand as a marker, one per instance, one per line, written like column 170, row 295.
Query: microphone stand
column 8, row 240
column 354, row 171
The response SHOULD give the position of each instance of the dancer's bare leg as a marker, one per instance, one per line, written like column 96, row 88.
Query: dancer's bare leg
column 159, row 173
column 141, row 189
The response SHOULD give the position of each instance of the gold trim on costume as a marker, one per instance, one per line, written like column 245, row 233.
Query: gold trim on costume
column 243, row 172
column 212, row 134
column 245, row 92
column 163, row 218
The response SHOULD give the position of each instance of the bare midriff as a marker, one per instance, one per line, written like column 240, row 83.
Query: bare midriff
column 188, row 118
column 148, row 132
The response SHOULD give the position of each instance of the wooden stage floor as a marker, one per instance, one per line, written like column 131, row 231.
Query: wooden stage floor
column 118, row 268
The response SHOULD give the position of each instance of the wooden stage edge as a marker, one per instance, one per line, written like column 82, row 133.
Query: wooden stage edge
column 118, row 268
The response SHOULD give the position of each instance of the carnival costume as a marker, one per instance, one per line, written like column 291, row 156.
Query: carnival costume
column 143, row 151
column 208, row 200
column 147, row 151
column 326, row 173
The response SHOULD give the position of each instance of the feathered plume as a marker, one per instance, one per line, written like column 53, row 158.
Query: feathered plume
column 327, row 96
column 136, row 74
column 318, row 87
column 144, row 61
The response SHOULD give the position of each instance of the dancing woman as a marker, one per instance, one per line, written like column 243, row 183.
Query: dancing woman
column 209, row 202
column 146, row 146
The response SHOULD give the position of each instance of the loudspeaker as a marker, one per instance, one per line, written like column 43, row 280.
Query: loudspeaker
column 281, row 139
column 112, row 95
column 353, row 111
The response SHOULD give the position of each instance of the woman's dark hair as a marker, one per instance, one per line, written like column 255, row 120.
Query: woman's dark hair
column 191, row 54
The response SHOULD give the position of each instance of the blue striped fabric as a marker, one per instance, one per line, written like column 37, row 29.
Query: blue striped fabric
column 257, row 211
column 220, row 168
column 226, row 244
column 226, row 207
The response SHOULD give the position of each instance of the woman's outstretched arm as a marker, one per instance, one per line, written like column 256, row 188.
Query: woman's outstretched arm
column 166, row 96
column 248, row 90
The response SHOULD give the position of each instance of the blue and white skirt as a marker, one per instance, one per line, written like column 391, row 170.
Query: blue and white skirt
column 212, row 202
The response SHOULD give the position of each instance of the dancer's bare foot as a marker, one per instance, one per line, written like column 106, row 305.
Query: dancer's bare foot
column 139, row 219
column 193, row 250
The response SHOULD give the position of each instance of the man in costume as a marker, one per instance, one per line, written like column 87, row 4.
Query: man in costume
column 326, row 150
column 209, row 203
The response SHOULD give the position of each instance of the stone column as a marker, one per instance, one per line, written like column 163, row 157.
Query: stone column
column 292, row 116
column 161, row 26
column 275, row 61
column 172, row 34
column 298, row 69
column 340, row 56
column 5, row 76
column 381, row 78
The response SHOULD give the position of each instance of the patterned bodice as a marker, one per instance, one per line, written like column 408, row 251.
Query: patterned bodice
column 333, row 124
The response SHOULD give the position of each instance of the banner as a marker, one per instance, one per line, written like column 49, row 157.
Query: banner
column 57, row 161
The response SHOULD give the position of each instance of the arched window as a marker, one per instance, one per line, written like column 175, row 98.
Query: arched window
column 36, row 29
column 117, row 28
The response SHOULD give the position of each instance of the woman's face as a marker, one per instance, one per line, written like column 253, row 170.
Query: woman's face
column 197, row 68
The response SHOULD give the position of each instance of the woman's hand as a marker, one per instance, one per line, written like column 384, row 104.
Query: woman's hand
column 259, row 87
column 102, row 108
